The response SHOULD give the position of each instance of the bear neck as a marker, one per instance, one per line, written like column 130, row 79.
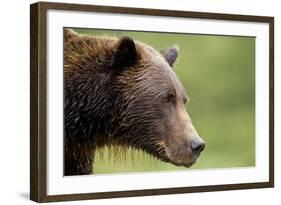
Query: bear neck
column 89, row 107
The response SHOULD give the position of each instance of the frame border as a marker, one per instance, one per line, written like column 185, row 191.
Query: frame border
column 38, row 161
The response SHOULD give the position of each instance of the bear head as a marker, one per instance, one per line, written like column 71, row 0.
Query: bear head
column 151, row 103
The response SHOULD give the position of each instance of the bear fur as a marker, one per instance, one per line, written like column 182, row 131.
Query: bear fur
column 121, row 92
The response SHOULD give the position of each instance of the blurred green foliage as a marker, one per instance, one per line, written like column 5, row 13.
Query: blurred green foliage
column 218, row 73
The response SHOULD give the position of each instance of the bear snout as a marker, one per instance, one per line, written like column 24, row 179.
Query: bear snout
column 197, row 145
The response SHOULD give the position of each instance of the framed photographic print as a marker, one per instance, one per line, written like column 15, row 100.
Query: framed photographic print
column 134, row 102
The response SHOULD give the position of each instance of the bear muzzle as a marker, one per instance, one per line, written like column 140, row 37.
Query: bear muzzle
column 185, row 153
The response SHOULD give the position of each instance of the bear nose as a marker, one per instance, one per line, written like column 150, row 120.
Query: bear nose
column 197, row 145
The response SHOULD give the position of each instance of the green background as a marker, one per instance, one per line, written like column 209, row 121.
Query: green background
column 218, row 73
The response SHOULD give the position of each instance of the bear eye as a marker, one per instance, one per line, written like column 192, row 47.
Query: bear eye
column 169, row 98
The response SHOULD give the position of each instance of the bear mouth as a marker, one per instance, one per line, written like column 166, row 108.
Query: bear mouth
column 183, row 163
column 177, row 160
column 187, row 165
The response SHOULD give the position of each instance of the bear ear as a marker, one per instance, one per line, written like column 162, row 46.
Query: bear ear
column 126, row 53
column 171, row 55
column 69, row 34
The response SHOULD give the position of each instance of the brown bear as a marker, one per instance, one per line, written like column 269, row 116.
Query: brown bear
column 123, row 92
